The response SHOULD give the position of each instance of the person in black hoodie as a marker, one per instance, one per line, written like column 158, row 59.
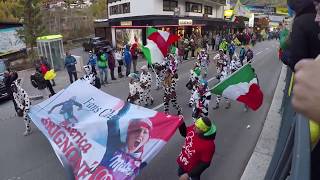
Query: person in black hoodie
column 304, row 42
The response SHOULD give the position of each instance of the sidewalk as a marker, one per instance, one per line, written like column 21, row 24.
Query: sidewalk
column 263, row 152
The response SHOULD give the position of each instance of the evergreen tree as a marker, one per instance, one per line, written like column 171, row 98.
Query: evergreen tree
column 32, row 23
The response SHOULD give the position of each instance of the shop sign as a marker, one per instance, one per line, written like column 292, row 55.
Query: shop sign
column 251, row 20
column 126, row 23
column 282, row 10
column 228, row 13
column 185, row 22
column 262, row 9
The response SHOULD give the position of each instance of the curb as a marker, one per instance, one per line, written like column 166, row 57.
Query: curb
column 261, row 157
column 36, row 97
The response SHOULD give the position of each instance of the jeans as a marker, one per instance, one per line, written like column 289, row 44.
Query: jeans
column 128, row 69
column 74, row 74
column 134, row 62
column 49, row 86
column 103, row 75
column 186, row 54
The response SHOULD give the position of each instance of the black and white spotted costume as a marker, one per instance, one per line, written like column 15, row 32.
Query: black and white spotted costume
column 203, row 59
column 202, row 97
column 195, row 76
column 89, row 76
column 23, row 102
column 160, row 71
column 135, row 90
column 235, row 64
column 223, row 75
column 221, row 61
column 170, row 95
column 145, row 82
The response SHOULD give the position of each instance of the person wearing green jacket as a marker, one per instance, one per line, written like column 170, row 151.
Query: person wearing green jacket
column 103, row 67
column 224, row 46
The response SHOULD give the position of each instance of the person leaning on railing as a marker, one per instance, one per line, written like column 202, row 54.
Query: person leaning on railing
column 306, row 91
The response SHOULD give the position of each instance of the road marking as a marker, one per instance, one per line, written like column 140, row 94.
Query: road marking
column 157, row 107
column 259, row 52
column 267, row 48
column 213, row 78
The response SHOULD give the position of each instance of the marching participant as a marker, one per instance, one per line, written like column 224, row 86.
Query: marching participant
column 203, row 59
column 90, row 77
column 235, row 64
column 134, row 96
column 159, row 71
column 195, row 76
column 170, row 95
column 202, row 97
column 145, row 82
column 23, row 103
column 224, row 74
column 172, row 63
column 221, row 61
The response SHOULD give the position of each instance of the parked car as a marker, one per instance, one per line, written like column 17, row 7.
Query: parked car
column 3, row 92
column 95, row 43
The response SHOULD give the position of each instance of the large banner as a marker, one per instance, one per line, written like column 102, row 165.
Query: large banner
column 10, row 41
column 97, row 136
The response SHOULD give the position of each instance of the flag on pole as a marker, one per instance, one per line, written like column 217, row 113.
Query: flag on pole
column 158, row 43
column 98, row 136
column 240, row 10
column 174, row 50
column 241, row 86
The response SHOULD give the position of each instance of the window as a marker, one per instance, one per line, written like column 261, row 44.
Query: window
column 193, row 7
column 120, row 9
column 169, row 5
column 208, row 10
column 126, row 8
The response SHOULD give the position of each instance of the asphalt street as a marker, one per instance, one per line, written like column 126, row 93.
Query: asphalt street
column 32, row 158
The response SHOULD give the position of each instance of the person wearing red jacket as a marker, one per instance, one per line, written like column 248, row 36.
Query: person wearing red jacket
column 198, row 150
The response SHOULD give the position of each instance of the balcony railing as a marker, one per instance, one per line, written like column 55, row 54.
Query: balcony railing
column 291, row 158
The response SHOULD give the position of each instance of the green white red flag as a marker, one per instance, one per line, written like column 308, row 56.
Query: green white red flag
column 158, row 44
column 241, row 86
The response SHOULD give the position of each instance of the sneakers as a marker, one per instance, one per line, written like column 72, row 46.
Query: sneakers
column 179, row 113
column 190, row 104
column 216, row 107
column 27, row 132
column 151, row 101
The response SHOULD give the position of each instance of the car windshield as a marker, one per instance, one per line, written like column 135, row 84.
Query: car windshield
column 2, row 67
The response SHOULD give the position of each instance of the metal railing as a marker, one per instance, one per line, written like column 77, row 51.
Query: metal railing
column 291, row 158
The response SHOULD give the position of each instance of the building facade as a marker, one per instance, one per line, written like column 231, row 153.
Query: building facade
column 128, row 19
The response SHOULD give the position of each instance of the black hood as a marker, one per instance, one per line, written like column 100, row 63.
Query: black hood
column 302, row 6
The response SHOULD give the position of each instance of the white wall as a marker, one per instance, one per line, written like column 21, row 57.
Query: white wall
column 155, row 7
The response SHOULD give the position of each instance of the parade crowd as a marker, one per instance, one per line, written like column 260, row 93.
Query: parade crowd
column 231, row 52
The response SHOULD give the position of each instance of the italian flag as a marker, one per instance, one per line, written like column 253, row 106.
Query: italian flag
column 242, row 86
column 174, row 50
column 158, row 44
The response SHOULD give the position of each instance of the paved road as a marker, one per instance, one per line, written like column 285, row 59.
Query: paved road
column 32, row 158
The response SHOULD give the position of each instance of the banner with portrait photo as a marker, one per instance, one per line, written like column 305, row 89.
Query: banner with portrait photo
column 98, row 136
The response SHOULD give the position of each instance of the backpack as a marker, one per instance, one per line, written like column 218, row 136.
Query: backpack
column 249, row 54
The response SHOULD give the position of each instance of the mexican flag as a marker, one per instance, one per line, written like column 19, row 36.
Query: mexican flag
column 242, row 86
column 158, row 44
